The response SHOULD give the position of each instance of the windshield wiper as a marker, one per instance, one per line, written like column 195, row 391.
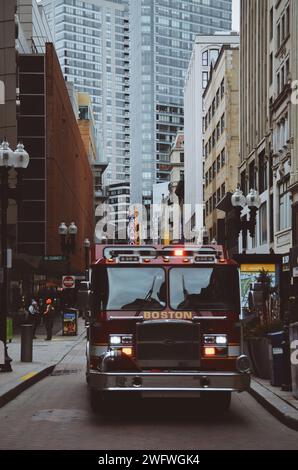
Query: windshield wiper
column 185, row 291
column 149, row 295
column 147, row 298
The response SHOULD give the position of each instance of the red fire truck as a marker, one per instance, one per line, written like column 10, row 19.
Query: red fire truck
column 164, row 321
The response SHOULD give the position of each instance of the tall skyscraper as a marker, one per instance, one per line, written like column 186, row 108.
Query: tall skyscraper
column 162, row 35
column 92, row 43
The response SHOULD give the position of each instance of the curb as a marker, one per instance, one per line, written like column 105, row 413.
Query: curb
column 18, row 389
column 279, row 408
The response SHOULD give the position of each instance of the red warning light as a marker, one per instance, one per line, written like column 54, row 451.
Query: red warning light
column 179, row 253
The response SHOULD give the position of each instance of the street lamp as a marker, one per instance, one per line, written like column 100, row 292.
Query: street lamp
column 19, row 160
column 68, row 237
column 87, row 245
column 253, row 202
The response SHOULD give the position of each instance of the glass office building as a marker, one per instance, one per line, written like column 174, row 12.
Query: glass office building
column 92, row 43
column 162, row 36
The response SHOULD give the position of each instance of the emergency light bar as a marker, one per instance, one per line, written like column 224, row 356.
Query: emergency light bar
column 134, row 254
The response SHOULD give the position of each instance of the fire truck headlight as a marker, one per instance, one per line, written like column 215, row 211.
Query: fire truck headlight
column 243, row 364
column 121, row 340
column 221, row 340
column 115, row 340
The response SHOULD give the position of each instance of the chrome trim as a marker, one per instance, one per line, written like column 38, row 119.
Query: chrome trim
column 169, row 381
column 193, row 318
column 126, row 318
column 209, row 318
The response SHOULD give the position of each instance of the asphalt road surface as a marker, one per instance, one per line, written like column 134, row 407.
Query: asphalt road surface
column 55, row 414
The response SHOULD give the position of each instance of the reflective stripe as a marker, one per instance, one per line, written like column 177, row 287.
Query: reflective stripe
column 234, row 350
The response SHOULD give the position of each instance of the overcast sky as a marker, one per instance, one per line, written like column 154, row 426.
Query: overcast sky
column 236, row 15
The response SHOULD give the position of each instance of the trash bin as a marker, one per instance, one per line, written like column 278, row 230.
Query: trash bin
column 70, row 322
column 9, row 329
column 294, row 357
column 276, row 358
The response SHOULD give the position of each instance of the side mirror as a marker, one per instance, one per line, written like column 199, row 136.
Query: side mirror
column 85, row 300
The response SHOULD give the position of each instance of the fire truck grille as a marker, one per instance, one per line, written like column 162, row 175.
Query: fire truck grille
column 168, row 344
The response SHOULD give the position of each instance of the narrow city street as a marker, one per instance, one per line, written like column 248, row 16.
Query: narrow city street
column 55, row 414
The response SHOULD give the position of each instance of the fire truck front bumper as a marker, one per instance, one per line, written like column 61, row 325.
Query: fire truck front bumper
column 169, row 383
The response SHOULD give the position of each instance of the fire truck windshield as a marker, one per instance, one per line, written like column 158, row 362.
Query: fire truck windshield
column 133, row 288
column 207, row 288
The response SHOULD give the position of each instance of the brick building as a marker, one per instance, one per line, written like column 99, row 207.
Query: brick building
column 58, row 183
column 58, row 186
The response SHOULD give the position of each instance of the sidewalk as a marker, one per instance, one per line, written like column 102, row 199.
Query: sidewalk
column 281, row 404
column 46, row 355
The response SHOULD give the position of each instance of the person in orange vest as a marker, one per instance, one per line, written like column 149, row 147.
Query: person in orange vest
column 49, row 314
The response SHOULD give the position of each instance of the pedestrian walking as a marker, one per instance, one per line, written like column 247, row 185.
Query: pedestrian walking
column 34, row 316
column 48, row 316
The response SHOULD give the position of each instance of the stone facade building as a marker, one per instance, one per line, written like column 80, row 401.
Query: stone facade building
column 221, row 138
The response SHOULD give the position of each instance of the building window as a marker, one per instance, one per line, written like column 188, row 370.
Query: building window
column 213, row 139
column 263, row 179
column 271, row 24
column 271, row 68
column 285, row 210
column 287, row 69
column 213, row 55
column 243, row 182
column 222, row 88
column 252, row 176
column 263, row 224
column 223, row 190
column 223, row 157
column 283, row 28
column 213, row 107
column 205, row 79
column 278, row 36
column 217, row 97
column 205, row 59
column 213, row 170
column 288, row 20
column 218, row 163
column 222, row 123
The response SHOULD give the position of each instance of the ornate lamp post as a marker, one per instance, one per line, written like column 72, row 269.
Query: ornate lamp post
column 239, row 201
column 68, row 238
column 87, row 245
column 19, row 160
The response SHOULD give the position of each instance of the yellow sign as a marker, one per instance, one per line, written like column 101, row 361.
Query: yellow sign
column 255, row 268
column 167, row 315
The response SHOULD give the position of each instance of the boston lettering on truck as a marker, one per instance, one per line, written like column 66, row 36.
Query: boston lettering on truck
column 164, row 321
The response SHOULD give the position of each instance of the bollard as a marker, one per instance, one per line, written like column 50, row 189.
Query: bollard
column 26, row 343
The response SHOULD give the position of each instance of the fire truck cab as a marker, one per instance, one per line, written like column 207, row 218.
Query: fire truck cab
column 165, row 322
